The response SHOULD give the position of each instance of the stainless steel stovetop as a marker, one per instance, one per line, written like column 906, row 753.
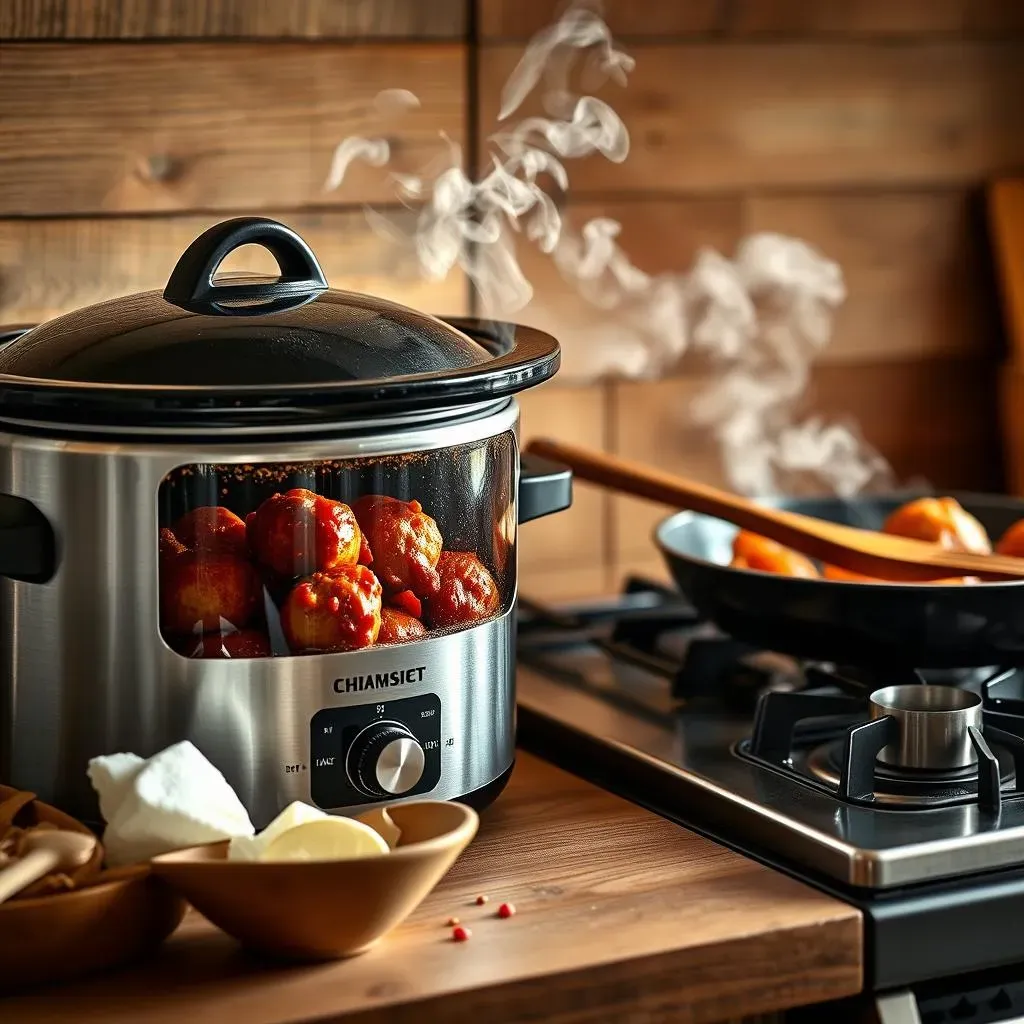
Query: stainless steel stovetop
column 753, row 748
column 703, row 774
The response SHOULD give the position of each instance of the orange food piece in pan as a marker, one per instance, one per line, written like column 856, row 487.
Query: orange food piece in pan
column 1012, row 542
column 752, row 551
column 833, row 572
column 942, row 521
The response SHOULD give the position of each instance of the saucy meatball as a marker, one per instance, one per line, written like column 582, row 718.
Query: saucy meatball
column 1012, row 542
column 170, row 546
column 466, row 593
column 200, row 592
column 212, row 528
column 752, row 551
column 399, row 627
column 404, row 540
column 245, row 643
column 337, row 610
column 942, row 521
column 300, row 532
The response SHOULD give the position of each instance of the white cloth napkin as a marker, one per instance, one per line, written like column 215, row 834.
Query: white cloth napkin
column 174, row 799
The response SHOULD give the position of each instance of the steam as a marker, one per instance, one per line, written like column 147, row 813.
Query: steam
column 760, row 317
column 766, row 314
column 580, row 28
column 375, row 152
column 471, row 225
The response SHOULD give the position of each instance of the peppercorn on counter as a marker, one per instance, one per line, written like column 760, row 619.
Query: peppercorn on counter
column 569, row 898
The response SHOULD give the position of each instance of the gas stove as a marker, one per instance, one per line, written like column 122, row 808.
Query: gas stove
column 895, row 791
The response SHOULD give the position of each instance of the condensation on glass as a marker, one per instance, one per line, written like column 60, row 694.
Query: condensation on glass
column 307, row 558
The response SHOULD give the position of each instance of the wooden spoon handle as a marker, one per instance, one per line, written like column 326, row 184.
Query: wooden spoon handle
column 26, row 870
column 873, row 554
column 655, row 485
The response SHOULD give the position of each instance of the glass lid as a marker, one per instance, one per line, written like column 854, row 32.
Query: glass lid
column 239, row 351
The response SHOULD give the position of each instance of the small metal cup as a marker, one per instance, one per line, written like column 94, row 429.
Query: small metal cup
column 933, row 723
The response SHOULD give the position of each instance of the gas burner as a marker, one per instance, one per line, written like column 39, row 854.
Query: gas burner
column 905, row 788
column 906, row 746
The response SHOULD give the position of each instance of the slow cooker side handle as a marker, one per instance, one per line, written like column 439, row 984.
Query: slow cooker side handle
column 28, row 549
column 544, row 487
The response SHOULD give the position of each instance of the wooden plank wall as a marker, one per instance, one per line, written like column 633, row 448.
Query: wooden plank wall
column 124, row 130
column 865, row 126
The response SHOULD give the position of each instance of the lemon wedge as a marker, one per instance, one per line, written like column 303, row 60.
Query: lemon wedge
column 326, row 839
column 250, row 847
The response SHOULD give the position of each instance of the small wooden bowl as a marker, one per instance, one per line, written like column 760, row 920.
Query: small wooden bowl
column 323, row 910
column 115, row 917
column 23, row 810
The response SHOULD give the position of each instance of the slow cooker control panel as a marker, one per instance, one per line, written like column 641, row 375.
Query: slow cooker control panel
column 374, row 752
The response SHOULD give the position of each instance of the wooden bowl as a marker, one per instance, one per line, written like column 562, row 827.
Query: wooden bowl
column 323, row 910
column 23, row 810
column 114, row 918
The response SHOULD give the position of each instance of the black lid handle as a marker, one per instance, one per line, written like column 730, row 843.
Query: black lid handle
column 191, row 284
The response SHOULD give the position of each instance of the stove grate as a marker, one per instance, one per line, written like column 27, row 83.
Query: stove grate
column 787, row 722
column 655, row 629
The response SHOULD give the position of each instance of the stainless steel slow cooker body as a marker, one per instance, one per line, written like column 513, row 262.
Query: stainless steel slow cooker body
column 89, row 667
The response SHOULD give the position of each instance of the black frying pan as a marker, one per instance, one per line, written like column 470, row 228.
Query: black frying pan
column 864, row 624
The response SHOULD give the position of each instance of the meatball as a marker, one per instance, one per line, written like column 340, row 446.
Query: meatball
column 752, row 551
column 213, row 529
column 405, row 542
column 399, row 627
column 245, row 643
column 466, row 593
column 200, row 592
column 170, row 546
column 942, row 521
column 337, row 610
column 299, row 532
column 1012, row 542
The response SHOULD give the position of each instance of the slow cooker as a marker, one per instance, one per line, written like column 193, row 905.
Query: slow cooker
column 273, row 518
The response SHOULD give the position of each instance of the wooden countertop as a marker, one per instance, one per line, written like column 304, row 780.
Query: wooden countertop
column 618, row 912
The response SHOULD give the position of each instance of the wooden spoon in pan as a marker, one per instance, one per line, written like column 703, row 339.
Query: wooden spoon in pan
column 879, row 555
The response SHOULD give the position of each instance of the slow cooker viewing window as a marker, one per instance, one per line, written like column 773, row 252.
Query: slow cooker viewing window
column 314, row 557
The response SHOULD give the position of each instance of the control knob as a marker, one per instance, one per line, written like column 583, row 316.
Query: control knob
column 385, row 759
